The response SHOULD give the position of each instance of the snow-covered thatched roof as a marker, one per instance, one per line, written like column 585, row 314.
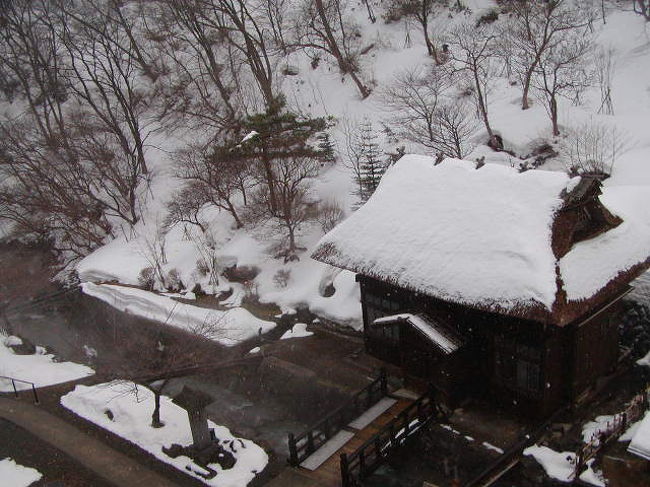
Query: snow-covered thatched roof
column 479, row 237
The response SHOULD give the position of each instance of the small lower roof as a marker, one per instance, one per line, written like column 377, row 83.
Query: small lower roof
column 443, row 338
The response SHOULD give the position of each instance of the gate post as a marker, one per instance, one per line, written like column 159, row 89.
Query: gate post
column 383, row 382
column 345, row 474
column 293, row 452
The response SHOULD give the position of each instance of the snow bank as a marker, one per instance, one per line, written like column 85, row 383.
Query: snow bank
column 41, row 369
column 231, row 326
column 132, row 419
column 560, row 465
column 14, row 475
column 451, row 231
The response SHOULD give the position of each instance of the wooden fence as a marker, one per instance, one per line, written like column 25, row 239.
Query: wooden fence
column 306, row 443
column 613, row 429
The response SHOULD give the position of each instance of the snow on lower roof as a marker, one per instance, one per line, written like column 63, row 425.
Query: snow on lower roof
column 590, row 264
column 640, row 444
column 444, row 339
column 474, row 236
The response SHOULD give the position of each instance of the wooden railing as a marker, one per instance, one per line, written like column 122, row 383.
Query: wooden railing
column 369, row 456
column 613, row 429
column 306, row 443
column 13, row 384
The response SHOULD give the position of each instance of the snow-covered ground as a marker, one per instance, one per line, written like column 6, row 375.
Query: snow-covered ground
column 131, row 419
column 15, row 475
column 228, row 327
column 40, row 368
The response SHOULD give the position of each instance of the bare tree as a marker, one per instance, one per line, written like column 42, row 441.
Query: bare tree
column 563, row 71
column 186, row 204
column 214, row 176
column 605, row 69
column 413, row 99
column 322, row 27
column 537, row 27
column 353, row 158
column 472, row 50
column 276, row 11
column 293, row 176
column 50, row 187
column 245, row 33
column 422, row 11
column 455, row 126
column 592, row 148
column 201, row 83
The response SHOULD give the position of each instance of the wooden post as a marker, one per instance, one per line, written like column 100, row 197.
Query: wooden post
column 383, row 381
column 345, row 474
column 310, row 442
column 293, row 451
column 13, row 383
column 35, row 395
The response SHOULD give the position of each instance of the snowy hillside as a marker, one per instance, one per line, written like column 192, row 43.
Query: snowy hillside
column 385, row 52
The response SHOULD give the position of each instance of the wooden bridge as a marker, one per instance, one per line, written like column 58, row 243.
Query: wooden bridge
column 350, row 443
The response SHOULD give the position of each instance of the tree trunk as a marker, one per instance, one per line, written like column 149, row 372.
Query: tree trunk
column 527, row 78
column 270, row 181
column 233, row 212
column 344, row 66
column 155, row 416
column 483, row 109
column 553, row 110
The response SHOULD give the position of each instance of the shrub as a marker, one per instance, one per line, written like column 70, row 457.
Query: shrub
column 281, row 278
column 147, row 278
column 174, row 282
column 329, row 215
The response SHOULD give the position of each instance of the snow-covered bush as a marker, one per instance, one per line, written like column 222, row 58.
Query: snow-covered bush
column 147, row 278
column 281, row 278
column 173, row 281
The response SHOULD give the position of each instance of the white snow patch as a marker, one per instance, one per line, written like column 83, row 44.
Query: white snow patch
column 560, row 465
column 13, row 341
column 490, row 446
column 557, row 465
column 15, row 475
column 40, row 368
column 640, row 444
column 231, row 326
column 299, row 330
column 132, row 421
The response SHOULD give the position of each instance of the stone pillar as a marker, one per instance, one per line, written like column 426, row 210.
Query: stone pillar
column 195, row 402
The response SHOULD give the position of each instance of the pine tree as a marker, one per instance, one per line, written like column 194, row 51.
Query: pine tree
column 274, row 135
column 327, row 147
column 372, row 166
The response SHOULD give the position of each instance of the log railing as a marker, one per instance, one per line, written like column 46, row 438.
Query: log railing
column 303, row 445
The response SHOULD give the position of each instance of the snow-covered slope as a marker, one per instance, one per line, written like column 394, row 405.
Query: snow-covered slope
column 323, row 91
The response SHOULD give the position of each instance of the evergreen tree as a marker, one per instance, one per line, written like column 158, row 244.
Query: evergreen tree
column 284, row 153
column 327, row 147
column 372, row 166
column 265, row 138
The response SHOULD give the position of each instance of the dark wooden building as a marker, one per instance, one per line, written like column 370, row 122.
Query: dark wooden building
column 488, row 281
